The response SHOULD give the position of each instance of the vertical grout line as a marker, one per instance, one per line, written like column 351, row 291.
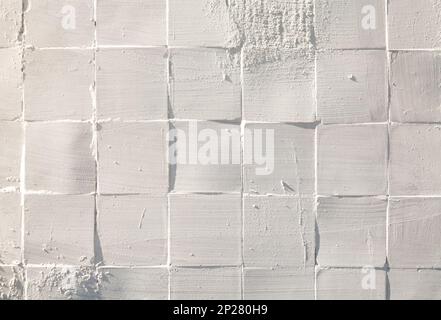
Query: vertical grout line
column 23, row 155
column 388, row 66
column 242, row 173
column 315, row 158
column 168, row 75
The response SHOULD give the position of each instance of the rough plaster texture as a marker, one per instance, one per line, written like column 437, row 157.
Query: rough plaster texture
column 91, row 207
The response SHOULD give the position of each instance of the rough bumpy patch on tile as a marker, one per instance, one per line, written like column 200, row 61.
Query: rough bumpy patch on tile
column 11, row 84
column 416, row 86
column 205, row 284
column 350, row 24
column 415, row 151
column 10, row 22
column 207, row 157
column 11, row 282
column 11, row 139
column 205, row 230
column 281, row 90
column 415, row 284
column 352, row 160
column 278, row 231
column 10, row 228
column 235, row 24
column 351, row 284
column 352, row 86
column 134, row 284
column 198, row 75
column 58, row 84
column 131, row 22
column 414, row 24
column 279, row 284
column 135, row 88
column 65, row 283
column 55, row 23
column 352, row 232
column 132, row 157
column 414, row 235
column 59, row 229
column 132, row 229
column 59, row 158
column 279, row 159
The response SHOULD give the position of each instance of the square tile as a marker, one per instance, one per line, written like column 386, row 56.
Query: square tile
column 131, row 22
column 11, row 84
column 205, row 230
column 278, row 231
column 134, row 284
column 11, row 283
column 414, row 235
column 199, row 23
column 415, row 151
column 205, row 156
column 11, row 22
column 414, row 284
column 279, row 159
column 59, row 157
column 132, row 229
column 198, row 75
column 350, row 24
column 352, row 232
column 132, row 157
column 352, row 160
column 281, row 91
column 279, row 284
column 59, row 229
column 415, row 86
column 65, row 23
column 10, row 228
column 351, row 284
column 205, row 284
column 64, row 283
column 135, row 88
column 352, row 86
column 49, row 90
column 414, row 24
column 11, row 139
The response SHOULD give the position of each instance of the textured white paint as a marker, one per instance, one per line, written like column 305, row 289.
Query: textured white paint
column 415, row 151
column 59, row 229
column 10, row 228
column 414, row 235
column 278, row 232
column 10, row 84
column 205, row 284
column 293, row 171
column 49, row 90
column 53, row 23
column 279, row 284
column 352, row 86
column 352, row 232
column 133, row 22
column 132, row 157
column 352, row 160
column 11, row 138
column 414, row 24
column 347, row 284
column 10, row 23
column 205, row 230
column 135, row 88
column 414, row 284
column 339, row 24
column 132, row 229
column 197, row 75
column 59, row 158
column 416, row 86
